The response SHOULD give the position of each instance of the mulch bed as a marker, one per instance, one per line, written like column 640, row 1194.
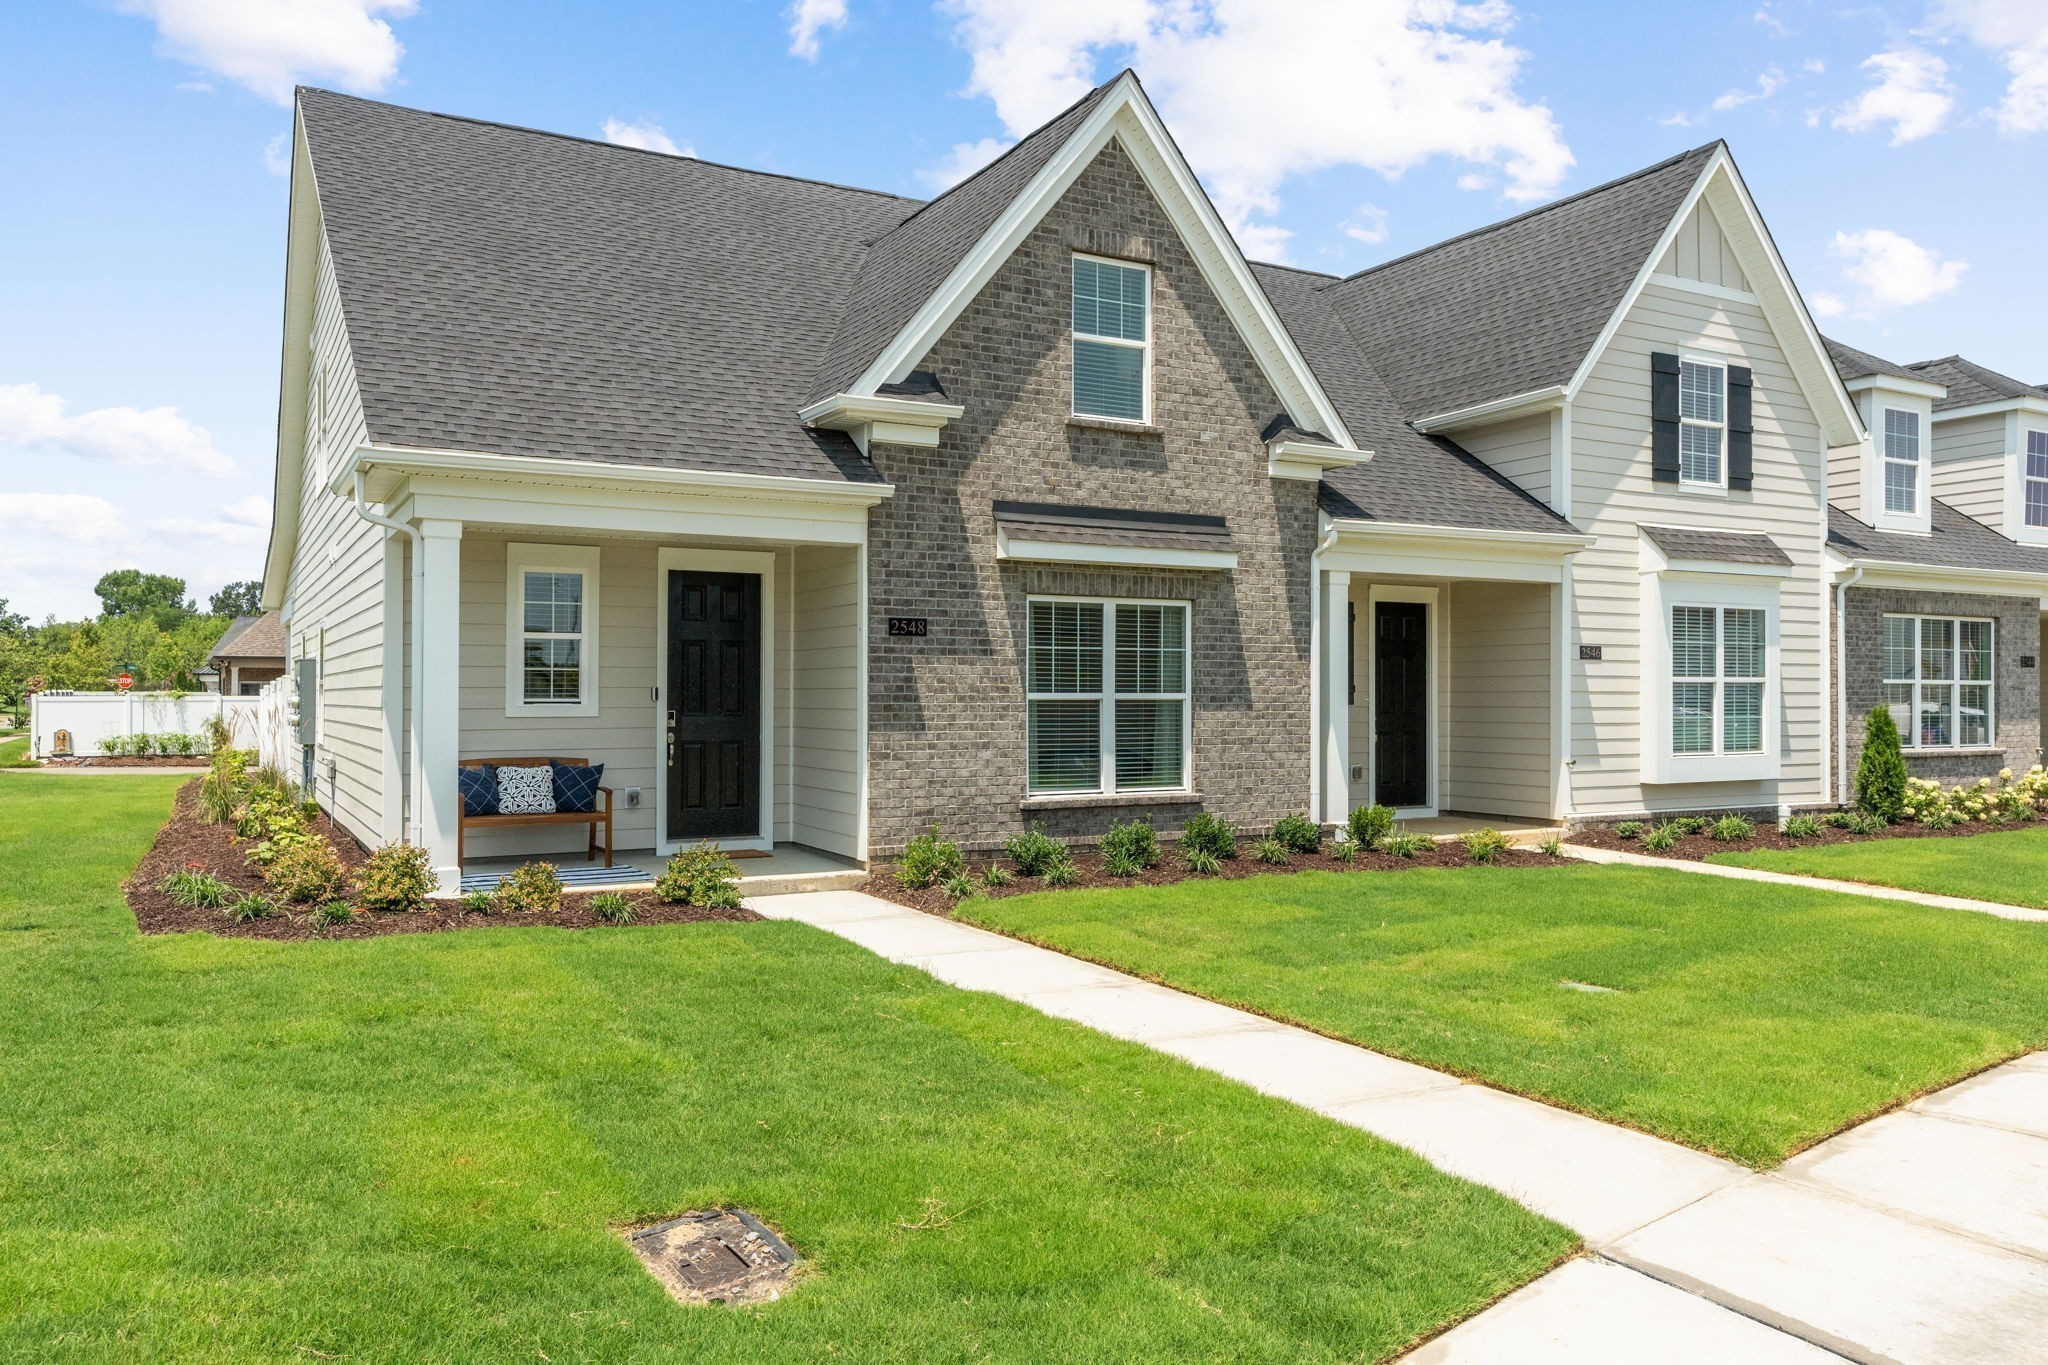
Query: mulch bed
column 187, row 839
column 131, row 761
column 1699, row 847
column 1169, row 870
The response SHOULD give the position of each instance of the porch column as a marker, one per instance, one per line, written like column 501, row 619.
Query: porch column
column 1336, row 690
column 437, row 693
column 391, row 691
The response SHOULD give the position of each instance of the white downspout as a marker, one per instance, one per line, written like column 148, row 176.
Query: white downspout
column 1839, row 788
column 412, row 825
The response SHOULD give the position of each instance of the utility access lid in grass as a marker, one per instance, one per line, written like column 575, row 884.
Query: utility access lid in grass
column 716, row 1256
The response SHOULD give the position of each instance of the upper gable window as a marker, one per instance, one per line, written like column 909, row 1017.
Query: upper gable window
column 1901, row 462
column 1112, row 339
column 2036, row 474
column 1702, row 416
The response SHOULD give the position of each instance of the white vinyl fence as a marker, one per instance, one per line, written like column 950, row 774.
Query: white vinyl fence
column 91, row 717
column 273, row 726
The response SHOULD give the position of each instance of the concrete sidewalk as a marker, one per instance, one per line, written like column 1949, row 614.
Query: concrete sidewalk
column 1918, row 1237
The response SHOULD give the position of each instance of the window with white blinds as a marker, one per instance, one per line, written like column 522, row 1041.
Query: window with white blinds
column 1901, row 461
column 1107, row 689
column 2035, row 473
column 1112, row 336
column 1718, row 657
column 1938, row 680
column 1703, row 421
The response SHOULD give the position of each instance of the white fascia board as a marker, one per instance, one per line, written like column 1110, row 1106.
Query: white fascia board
column 301, row 279
column 881, row 417
column 1494, row 410
column 1125, row 113
column 1542, row 542
column 1016, row 549
column 1447, row 552
column 1891, row 383
column 1309, row 459
column 2034, row 406
column 396, row 463
column 1892, row 573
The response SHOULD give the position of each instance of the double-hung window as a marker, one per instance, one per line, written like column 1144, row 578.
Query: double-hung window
column 1901, row 462
column 1112, row 339
column 551, row 630
column 1938, row 680
column 2035, row 478
column 1702, row 421
column 1107, row 689
column 1718, row 658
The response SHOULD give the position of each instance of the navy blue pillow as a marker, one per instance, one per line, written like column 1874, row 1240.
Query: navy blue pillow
column 479, row 787
column 576, row 788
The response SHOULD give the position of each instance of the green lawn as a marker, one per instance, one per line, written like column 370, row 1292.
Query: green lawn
column 415, row 1147
column 2008, row 866
column 14, row 752
column 1748, row 1020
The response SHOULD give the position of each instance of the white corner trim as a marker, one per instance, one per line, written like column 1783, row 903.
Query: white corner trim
column 521, row 557
column 1018, row 550
column 1309, row 459
column 1545, row 399
column 881, row 417
column 1124, row 113
column 403, row 460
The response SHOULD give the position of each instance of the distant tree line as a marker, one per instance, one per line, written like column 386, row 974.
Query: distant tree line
column 146, row 626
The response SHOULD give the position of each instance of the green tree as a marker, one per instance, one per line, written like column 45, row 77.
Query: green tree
column 1881, row 771
column 234, row 599
column 131, row 592
column 85, row 664
column 13, row 625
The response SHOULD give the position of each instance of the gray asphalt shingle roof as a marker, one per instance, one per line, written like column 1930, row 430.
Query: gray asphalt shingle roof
column 1113, row 526
column 1958, row 542
column 1851, row 363
column 252, row 637
column 1729, row 547
column 1970, row 384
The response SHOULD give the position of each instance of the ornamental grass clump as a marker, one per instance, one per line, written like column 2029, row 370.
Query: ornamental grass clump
column 700, row 875
column 611, row 907
column 332, row 913
column 1801, row 827
column 1731, row 829
column 1370, row 824
column 929, row 860
column 193, row 887
column 1298, row 833
column 397, row 878
column 477, row 903
column 1270, row 851
column 1881, row 772
column 996, row 875
column 1406, row 844
column 531, row 889
column 960, row 886
column 250, row 908
column 1662, row 838
column 1061, row 873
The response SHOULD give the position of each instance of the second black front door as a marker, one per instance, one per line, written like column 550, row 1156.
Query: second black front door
column 714, row 705
column 1400, row 704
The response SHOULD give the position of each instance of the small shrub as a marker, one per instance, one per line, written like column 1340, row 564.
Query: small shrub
column 1880, row 784
column 1689, row 825
column 397, row 877
column 700, row 875
column 1801, row 827
column 1839, row 819
column 1034, row 851
column 308, row 871
column 477, row 902
column 249, row 908
column 282, row 842
column 1866, row 823
column 1210, row 833
column 1135, row 844
column 1344, row 850
column 114, row 746
column 960, row 886
column 1370, row 824
column 1201, row 861
column 1941, row 819
column 611, row 907
column 1663, row 837
column 531, row 889
column 1403, row 844
column 928, row 860
column 332, row 913
column 1484, row 845
column 1270, row 851
column 1630, row 829
column 195, row 888
column 1298, row 833
column 1732, row 829
column 995, row 874
column 266, row 811
column 1062, row 873
column 181, row 744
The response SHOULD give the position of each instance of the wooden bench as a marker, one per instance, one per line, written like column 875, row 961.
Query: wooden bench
column 599, row 815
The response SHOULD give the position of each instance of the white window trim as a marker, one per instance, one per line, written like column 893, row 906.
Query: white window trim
column 1662, row 592
column 1920, row 463
column 1910, row 731
column 1145, row 346
column 520, row 559
column 1717, row 363
column 1107, row 698
column 2025, row 530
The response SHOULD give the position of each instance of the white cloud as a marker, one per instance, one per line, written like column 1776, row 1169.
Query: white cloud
column 271, row 45
column 1384, row 84
column 1912, row 94
column 253, row 510
column 1888, row 271
column 648, row 137
column 964, row 160
column 1768, row 84
column 1475, row 180
column 132, row 437
column 1778, row 26
column 2016, row 31
column 277, row 155
column 809, row 18
column 79, row 518
column 1368, row 225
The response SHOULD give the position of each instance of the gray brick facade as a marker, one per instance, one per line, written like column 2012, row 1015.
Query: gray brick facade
column 2016, row 698
column 947, row 711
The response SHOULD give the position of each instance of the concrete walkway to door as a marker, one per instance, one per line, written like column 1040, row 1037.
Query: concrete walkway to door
column 1922, row 1236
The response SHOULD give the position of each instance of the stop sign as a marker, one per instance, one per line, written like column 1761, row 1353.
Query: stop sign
column 125, row 681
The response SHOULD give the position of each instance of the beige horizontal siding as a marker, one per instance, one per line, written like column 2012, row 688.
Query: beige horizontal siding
column 1519, row 450
column 1496, row 756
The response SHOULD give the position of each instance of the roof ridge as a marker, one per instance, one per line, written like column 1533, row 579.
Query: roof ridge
column 1527, row 214
column 1980, row 371
column 600, row 142
column 1297, row 269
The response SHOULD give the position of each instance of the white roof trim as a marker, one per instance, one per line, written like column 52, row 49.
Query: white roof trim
column 1126, row 115
column 1881, row 573
column 394, row 462
column 1309, row 459
column 1891, row 383
column 1022, row 549
column 1414, row 530
column 2034, row 406
column 1495, row 410
column 881, row 417
column 1818, row 380
column 302, row 270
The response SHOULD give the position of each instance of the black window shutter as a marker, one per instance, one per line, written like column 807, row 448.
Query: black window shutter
column 1664, row 418
column 1740, row 461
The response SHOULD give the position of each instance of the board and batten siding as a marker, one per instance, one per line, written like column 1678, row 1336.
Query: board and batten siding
column 1613, row 494
column 1519, row 451
column 335, row 597
column 1701, row 252
column 1970, row 464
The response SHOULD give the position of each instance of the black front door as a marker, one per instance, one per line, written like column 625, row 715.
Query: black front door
column 714, row 705
column 1400, row 704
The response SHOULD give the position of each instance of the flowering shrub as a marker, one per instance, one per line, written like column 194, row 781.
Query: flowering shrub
column 2003, row 799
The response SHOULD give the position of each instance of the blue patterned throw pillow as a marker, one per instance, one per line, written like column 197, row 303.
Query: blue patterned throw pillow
column 479, row 788
column 576, row 788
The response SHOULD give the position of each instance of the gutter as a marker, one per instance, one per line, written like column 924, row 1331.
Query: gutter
column 410, row 822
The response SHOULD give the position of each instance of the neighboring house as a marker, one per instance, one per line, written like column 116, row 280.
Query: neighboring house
column 251, row 653
column 820, row 515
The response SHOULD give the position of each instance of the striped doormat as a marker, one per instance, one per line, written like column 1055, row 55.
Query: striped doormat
column 574, row 878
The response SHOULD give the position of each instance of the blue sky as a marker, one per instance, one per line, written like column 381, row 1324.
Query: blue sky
column 1889, row 146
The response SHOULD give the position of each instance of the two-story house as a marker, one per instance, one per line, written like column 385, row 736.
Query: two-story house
column 819, row 515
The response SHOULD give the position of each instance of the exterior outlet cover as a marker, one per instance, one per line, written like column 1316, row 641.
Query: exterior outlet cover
column 632, row 796
column 1357, row 773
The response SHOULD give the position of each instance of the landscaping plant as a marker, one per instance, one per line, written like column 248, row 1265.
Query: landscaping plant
column 1201, row 861
column 1629, row 829
column 397, row 877
column 1370, row 824
column 253, row 906
column 1406, row 844
column 1662, row 838
column 1881, row 772
column 1344, row 850
column 1270, row 851
column 477, row 902
column 307, row 871
column 531, row 889
column 1298, row 833
column 612, row 908
column 995, row 874
column 1801, row 827
column 700, row 875
column 331, row 913
column 1134, row 846
column 193, row 887
column 1210, row 834
column 928, row 860
column 1034, row 851
column 1061, row 873
column 960, row 886
column 1553, row 847
column 1732, row 828
column 1484, row 845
